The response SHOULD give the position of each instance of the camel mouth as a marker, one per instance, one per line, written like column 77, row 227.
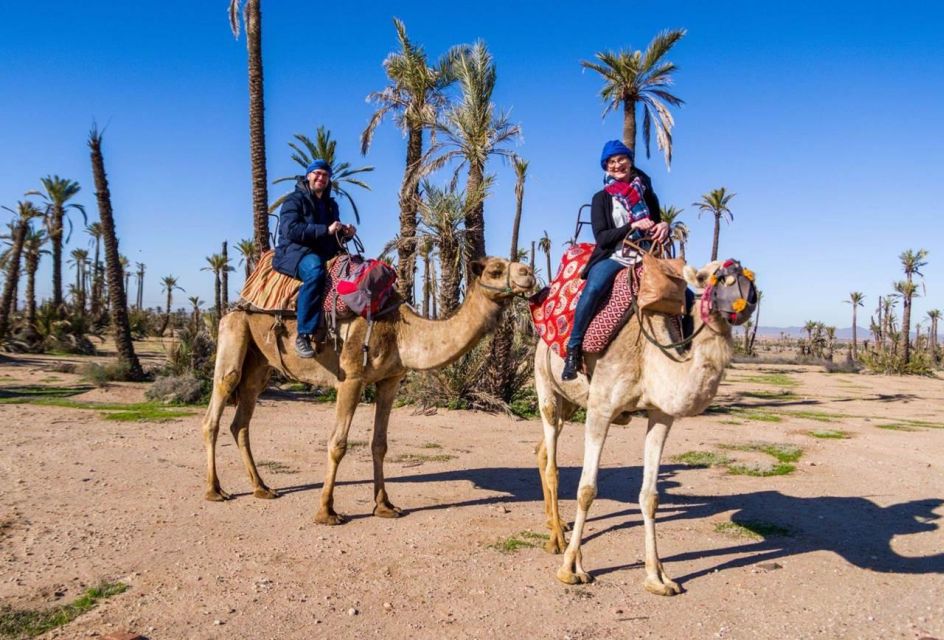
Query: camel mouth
column 732, row 292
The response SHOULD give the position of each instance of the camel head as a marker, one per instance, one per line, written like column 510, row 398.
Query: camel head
column 727, row 289
column 500, row 279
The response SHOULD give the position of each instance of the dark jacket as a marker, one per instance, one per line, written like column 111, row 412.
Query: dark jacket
column 605, row 233
column 303, row 228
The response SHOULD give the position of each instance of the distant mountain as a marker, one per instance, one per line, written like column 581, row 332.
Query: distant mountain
column 799, row 332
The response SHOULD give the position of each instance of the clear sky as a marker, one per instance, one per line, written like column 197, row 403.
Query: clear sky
column 826, row 119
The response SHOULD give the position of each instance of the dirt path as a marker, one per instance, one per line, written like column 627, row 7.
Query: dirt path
column 853, row 546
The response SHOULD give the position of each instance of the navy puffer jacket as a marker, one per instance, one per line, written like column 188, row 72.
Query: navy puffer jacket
column 303, row 228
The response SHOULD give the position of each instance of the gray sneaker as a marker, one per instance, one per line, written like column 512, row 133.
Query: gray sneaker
column 303, row 347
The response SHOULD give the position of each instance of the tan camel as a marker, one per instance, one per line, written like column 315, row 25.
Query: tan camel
column 250, row 344
column 634, row 375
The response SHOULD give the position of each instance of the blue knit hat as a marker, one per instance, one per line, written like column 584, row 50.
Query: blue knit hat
column 615, row 148
column 318, row 164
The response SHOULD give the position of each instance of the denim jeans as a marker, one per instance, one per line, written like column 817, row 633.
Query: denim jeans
column 311, row 271
column 599, row 282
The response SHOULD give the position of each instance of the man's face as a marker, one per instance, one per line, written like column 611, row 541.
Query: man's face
column 619, row 166
column 318, row 180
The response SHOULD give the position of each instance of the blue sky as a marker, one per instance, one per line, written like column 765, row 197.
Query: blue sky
column 826, row 122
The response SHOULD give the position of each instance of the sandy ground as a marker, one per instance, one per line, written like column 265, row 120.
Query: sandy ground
column 83, row 499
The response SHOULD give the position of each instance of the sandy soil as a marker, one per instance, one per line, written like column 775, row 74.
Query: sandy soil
column 84, row 499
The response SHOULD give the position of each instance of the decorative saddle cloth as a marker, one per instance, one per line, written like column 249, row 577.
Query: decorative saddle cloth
column 268, row 290
column 552, row 308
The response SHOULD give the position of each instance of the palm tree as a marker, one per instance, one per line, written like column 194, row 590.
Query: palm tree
column 305, row 151
column 716, row 202
column 544, row 244
column 855, row 299
column 25, row 211
column 98, row 275
column 247, row 250
column 521, row 174
column 472, row 132
column 414, row 97
column 57, row 192
column 123, row 263
column 195, row 302
column 217, row 265
column 678, row 230
column 224, row 276
column 425, row 249
column 80, row 261
column 911, row 262
column 168, row 283
column 644, row 78
column 140, row 275
column 252, row 18
column 934, row 315
column 32, row 252
column 116, row 290
column 809, row 327
column 441, row 220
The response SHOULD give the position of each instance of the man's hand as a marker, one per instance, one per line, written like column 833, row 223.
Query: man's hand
column 334, row 227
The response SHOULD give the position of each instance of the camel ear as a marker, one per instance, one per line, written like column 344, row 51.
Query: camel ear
column 477, row 267
column 691, row 277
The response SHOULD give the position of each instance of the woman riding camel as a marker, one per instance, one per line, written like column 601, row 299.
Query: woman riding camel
column 627, row 204
column 309, row 227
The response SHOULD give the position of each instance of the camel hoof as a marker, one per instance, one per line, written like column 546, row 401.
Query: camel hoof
column 570, row 577
column 662, row 588
column 329, row 518
column 217, row 495
column 387, row 511
column 265, row 493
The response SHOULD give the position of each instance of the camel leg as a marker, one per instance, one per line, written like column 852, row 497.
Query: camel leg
column 254, row 380
column 233, row 340
column 386, row 393
column 550, row 409
column 598, row 423
column 657, row 581
column 349, row 394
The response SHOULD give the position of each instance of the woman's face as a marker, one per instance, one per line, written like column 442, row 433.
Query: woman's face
column 619, row 167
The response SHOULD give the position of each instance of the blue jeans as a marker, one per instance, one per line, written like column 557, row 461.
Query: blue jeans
column 311, row 271
column 599, row 282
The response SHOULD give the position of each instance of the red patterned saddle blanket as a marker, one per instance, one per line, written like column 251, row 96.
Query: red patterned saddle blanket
column 552, row 308
column 269, row 290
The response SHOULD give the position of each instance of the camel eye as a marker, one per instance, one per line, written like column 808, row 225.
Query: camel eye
column 495, row 272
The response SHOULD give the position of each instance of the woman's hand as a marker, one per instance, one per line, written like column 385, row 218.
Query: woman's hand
column 659, row 232
column 643, row 225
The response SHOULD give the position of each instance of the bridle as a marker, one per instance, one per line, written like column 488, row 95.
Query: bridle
column 507, row 289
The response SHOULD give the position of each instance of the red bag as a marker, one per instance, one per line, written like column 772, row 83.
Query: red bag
column 366, row 286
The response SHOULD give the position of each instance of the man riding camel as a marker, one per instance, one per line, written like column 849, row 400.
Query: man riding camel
column 309, row 235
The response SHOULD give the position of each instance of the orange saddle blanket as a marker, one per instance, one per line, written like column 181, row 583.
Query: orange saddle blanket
column 268, row 290
column 552, row 308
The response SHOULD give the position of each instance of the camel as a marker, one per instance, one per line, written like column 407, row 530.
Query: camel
column 634, row 374
column 251, row 344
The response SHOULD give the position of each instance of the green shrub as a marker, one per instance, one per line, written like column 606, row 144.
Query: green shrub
column 183, row 389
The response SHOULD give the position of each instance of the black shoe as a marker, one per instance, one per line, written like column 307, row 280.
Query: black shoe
column 303, row 347
column 571, row 363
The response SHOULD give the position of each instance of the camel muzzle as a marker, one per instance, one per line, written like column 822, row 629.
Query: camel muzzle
column 732, row 292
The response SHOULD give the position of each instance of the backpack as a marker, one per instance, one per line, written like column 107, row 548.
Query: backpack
column 366, row 286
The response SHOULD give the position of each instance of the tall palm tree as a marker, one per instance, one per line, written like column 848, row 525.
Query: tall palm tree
column 224, row 276
column 98, row 274
column 934, row 315
column 80, row 261
column 716, row 202
column 247, row 251
column 252, row 18
column 544, row 244
column 521, row 174
column 168, row 284
column 195, row 302
column 809, row 327
column 855, row 299
column 217, row 265
column 425, row 249
column 25, row 211
column 124, row 264
column 305, row 151
column 116, row 290
column 678, row 230
column 140, row 276
column 472, row 132
column 32, row 252
column 643, row 78
column 414, row 97
column 57, row 192
column 911, row 262
column 442, row 212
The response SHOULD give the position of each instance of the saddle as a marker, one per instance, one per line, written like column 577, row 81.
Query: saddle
column 552, row 308
column 268, row 290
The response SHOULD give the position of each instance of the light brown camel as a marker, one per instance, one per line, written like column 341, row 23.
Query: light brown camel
column 251, row 343
column 635, row 375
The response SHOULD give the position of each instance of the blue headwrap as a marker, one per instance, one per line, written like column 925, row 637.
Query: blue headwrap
column 614, row 148
column 318, row 164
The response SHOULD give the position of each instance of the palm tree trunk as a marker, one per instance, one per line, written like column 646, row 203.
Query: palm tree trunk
column 855, row 348
column 519, row 201
column 714, row 243
column 498, row 376
column 629, row 123
column 218, row 298
column 260, row 196
column 13, row 276
column 427, row 285
column 547, row 254
column 224, row 277
column 406, row 250
column 166, row 314
column 55, row 238
column 475, row 214
column 451, row 277
column 96, row 280
column 906, row 329
column 682, row 250
column 116, row 292
column 32, row 264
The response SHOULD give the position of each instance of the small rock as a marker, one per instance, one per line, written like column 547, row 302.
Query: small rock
column 352, row 611
column 617, row 612
column 768, row 566
column 387, row 606
column 217, row 622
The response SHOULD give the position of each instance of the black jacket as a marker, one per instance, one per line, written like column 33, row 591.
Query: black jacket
column 605, row 233
column 303, row 228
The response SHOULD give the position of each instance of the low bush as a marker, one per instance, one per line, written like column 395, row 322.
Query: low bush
column 183, row 389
